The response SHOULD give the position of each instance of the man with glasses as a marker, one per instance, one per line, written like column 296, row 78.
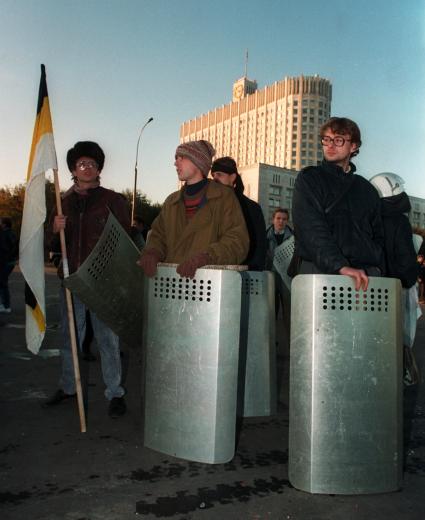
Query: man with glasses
column 86, row 207
column 336, row 213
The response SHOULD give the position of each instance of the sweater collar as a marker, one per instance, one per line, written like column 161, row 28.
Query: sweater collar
column 329, row 166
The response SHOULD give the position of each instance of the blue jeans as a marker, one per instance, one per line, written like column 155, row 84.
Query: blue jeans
column 107, row 343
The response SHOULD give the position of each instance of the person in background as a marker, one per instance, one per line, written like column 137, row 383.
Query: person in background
column 421, row 277
column 277, row 233
column 224, row 171
column 400, row 259
column 137, row 232
column 8, row 259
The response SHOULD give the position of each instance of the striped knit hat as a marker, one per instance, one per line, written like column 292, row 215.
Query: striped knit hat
column 199, row 152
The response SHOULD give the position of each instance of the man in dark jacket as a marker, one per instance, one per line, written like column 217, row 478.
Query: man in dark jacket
column 225, row 171
column 86, row 207
column 337, row 214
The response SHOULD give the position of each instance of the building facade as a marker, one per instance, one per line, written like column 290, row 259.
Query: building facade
column 417, row 213
column 277, row 125
column 270, row 186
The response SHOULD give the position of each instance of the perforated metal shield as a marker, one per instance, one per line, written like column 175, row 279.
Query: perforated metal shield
column 111, row 284
column 258, row 347
column 282, row 258
column 345, row 421
column 191, row 365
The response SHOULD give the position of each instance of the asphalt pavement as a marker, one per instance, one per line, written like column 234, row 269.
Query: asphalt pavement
column 51, row 471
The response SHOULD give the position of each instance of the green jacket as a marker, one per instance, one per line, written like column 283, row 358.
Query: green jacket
column 217, row 228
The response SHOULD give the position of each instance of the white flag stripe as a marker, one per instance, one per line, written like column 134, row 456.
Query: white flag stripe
column 31, row 245
column 31, row 250
column 45, row 156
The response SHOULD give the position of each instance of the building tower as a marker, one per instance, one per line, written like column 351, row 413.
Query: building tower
column 277, row 125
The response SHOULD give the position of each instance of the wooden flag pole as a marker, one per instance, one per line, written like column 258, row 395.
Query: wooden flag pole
column 71, row 320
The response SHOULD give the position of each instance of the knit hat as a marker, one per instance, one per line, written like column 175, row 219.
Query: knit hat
column 85, row 149
column 199, row 152
column 225, row 165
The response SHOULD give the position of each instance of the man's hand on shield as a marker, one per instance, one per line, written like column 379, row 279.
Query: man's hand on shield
column 187, row 269
column 148, row 261
column 360, row 278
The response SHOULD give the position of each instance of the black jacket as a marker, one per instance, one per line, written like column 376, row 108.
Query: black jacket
column 254, row 219
column 400, row 254
column 332, row 236
column 8, row 247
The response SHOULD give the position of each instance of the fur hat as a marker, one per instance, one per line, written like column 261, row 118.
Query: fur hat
column 199, row 152
column 85, row 149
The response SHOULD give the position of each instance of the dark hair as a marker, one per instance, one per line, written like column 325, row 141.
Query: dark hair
column 280, row 210
column 6, row 221
column 85, row 149
column 228, row 165
column 225, row 165
column 343, row 125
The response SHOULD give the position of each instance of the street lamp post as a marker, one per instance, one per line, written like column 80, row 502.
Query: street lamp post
column 135, row 170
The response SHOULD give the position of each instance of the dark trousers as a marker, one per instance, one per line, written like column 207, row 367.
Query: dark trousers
column 5, row 271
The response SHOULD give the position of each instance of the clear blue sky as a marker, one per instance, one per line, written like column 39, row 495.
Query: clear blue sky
column 113, row 64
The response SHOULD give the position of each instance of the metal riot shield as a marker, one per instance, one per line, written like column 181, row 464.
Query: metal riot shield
column 191, row 364
column 345, row 419
column 282, row 258
column 111, row 284
column 257, row 376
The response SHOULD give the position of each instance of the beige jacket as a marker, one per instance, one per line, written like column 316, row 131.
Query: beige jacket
column 218, row 228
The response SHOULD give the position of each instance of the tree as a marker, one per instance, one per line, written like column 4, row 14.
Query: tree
column 144, row 207
column 11, row 205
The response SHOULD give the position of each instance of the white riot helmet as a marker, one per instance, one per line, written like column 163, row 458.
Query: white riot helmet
column 388, row 184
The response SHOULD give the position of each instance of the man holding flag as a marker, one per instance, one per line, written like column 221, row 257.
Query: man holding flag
column 86, row 207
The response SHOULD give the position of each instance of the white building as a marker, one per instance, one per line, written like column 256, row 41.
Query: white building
column 277, row 125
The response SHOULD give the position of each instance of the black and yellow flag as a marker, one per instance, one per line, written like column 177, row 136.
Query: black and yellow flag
column 31, row 246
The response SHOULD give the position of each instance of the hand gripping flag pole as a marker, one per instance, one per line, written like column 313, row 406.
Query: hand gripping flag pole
column 70, row 310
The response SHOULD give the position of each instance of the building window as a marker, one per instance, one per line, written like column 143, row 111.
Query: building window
column 275, row 190
column 273, row 203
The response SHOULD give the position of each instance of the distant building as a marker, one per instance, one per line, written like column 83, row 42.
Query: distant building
column 270, row 186
column 277, row 125
column 417, row 213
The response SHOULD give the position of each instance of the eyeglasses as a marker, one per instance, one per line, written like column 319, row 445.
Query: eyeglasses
column 83, row 165
column 337, row 141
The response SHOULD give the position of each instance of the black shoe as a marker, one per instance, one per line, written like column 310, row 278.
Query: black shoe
column 57, row 398
column 117, row 407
